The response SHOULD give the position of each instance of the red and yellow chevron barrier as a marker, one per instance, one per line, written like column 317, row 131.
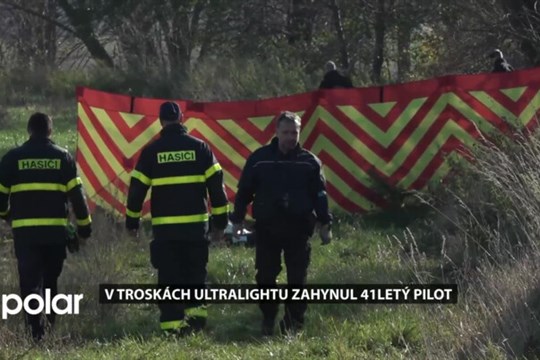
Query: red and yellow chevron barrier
column 401, row 134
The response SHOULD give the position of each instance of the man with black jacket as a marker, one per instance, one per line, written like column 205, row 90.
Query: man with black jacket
column 334, row 79
column 288, row 190
column 36, row 181
column 181, row 170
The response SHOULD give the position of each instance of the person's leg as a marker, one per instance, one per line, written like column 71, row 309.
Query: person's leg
column 297, row 254
column 30, row 267
column 196, row 259
column 268, row 266
column 167, row 261
column 53, row 257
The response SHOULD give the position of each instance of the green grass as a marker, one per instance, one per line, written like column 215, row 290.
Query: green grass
column 64, row 126
column 335, row 331
column 371, row 249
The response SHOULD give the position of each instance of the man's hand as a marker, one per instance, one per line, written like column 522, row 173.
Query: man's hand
column 326, row 234
column 217, row 236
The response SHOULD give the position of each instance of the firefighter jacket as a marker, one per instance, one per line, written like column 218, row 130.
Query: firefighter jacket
column 36, row 181
column 282, row 186
column 181, row 170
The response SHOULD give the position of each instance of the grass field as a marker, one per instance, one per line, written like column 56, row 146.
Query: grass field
column 365, row 250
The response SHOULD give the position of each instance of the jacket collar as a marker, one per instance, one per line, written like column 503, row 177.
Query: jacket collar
column 275, row 148
column 39, row 140
column 174, row 129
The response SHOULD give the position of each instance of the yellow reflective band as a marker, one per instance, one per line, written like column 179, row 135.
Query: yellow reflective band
column 174, row 180
column 73, row 182
column 4, row 189
column 4, row 213
column 200, row 312
column 38, row 187
column 141, row 177
column 212, row 170
column 133, row 214
column 82, row 222
column 183, row 219
column 176, row 324
column 39, row 222
column 220, row 210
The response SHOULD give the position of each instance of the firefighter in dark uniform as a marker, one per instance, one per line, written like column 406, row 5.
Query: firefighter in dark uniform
column 36, row 181
column 181, row 170
column 334, row 79
column 288, row 190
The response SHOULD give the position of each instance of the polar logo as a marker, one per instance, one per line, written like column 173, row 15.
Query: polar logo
column 61, row 304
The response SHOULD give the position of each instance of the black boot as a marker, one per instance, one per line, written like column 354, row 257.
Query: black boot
column 268, row 327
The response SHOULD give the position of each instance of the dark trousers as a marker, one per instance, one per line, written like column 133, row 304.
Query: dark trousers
column 270, row 242
column 39, row 267
column 179, row 263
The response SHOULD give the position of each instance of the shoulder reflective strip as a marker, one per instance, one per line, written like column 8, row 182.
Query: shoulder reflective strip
column 183, row 219
column 38, row 187
column 4, row 189
column 133, row 214
column 141, row 177
column 212, row 170
column 82, row 222
column 39, row 222
column 200, row 312
column 73, row 182
column 220, row 210
column 176, row 324
column 174, row 180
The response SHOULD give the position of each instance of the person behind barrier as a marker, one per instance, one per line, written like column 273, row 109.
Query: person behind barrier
column 288, row 191
column 500, row 64
column 333, row 78
column 181, row 170
column 36, row 181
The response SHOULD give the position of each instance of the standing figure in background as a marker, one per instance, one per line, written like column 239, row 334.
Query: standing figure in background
column 500, row 64
column 334, row 79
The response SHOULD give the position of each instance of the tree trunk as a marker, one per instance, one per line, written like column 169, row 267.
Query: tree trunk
column 300, row 22
column 81, row 20
column 378, row 53
column 344, row 54
column 404, row 54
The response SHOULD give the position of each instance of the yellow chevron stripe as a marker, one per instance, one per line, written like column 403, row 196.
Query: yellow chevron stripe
column 388, row 168
column 128, row 148
column 528, row 114
column 449, row 129
column 93, row 164
column 132, row 119
column 495, row 106
column 261, row 122
column 111, row 159
column 214, row 140
column 239, row 133
column 346, row 190
column 385, row 138
column 323, row 143
column 443, row 169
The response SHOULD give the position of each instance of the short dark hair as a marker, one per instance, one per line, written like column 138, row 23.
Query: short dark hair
column 170, row 111
column 39, row 124
column 289, row 117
